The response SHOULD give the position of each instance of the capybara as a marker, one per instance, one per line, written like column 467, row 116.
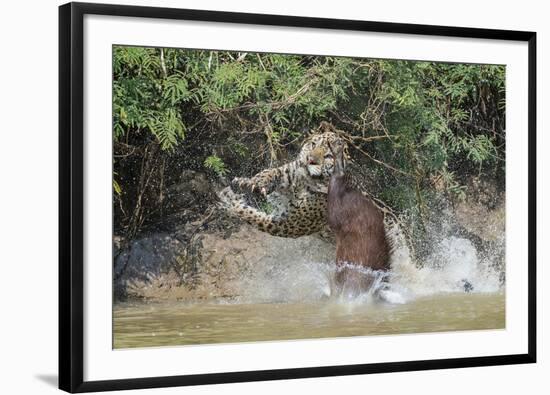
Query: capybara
column 358, row 226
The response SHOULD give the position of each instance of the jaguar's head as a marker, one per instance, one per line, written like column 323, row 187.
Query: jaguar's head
column 317, row 155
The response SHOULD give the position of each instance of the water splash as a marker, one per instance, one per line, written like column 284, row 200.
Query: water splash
column 453, row 265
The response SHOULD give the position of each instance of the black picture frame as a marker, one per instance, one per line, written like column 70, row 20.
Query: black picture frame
column 71, row 205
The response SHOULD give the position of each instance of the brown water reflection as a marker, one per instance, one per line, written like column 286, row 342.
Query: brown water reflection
column 163, row 324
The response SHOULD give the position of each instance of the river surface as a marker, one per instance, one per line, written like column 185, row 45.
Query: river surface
column 172, row 323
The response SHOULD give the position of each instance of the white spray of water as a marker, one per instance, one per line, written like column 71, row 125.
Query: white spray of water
column 454, row 265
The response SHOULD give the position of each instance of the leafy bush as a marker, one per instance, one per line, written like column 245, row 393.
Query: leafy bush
column 214, row 163
column 419, row 129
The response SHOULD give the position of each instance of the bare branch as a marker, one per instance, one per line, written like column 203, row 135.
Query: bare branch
column 374, row 159
column 372, row 138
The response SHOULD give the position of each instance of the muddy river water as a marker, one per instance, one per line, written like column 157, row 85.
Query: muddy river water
column 176, row 323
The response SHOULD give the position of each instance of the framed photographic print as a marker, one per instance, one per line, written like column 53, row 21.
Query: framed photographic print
column 251, row 197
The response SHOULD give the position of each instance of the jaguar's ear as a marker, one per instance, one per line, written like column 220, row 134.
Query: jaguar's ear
column 308, row 133
column 325, row 127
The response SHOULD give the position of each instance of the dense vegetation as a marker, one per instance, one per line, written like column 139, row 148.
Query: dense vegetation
column 417, row 129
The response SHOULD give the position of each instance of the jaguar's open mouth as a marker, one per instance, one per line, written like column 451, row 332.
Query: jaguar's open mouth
column 314, row 170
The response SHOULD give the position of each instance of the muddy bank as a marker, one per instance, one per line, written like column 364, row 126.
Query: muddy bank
column 211, row 265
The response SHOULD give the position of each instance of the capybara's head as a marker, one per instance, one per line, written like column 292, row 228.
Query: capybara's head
column 337, row 148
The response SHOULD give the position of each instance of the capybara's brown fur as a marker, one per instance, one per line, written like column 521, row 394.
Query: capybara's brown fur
column 359, row 229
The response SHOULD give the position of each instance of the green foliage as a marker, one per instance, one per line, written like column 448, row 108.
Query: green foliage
column 117, row 188
column 167, row 127
column 266, row 207
column 147, row 91
column 215, row 164
column 419, row 128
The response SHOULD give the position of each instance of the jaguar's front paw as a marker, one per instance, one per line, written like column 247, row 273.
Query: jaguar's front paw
column 238, row 184
column 245, row 185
